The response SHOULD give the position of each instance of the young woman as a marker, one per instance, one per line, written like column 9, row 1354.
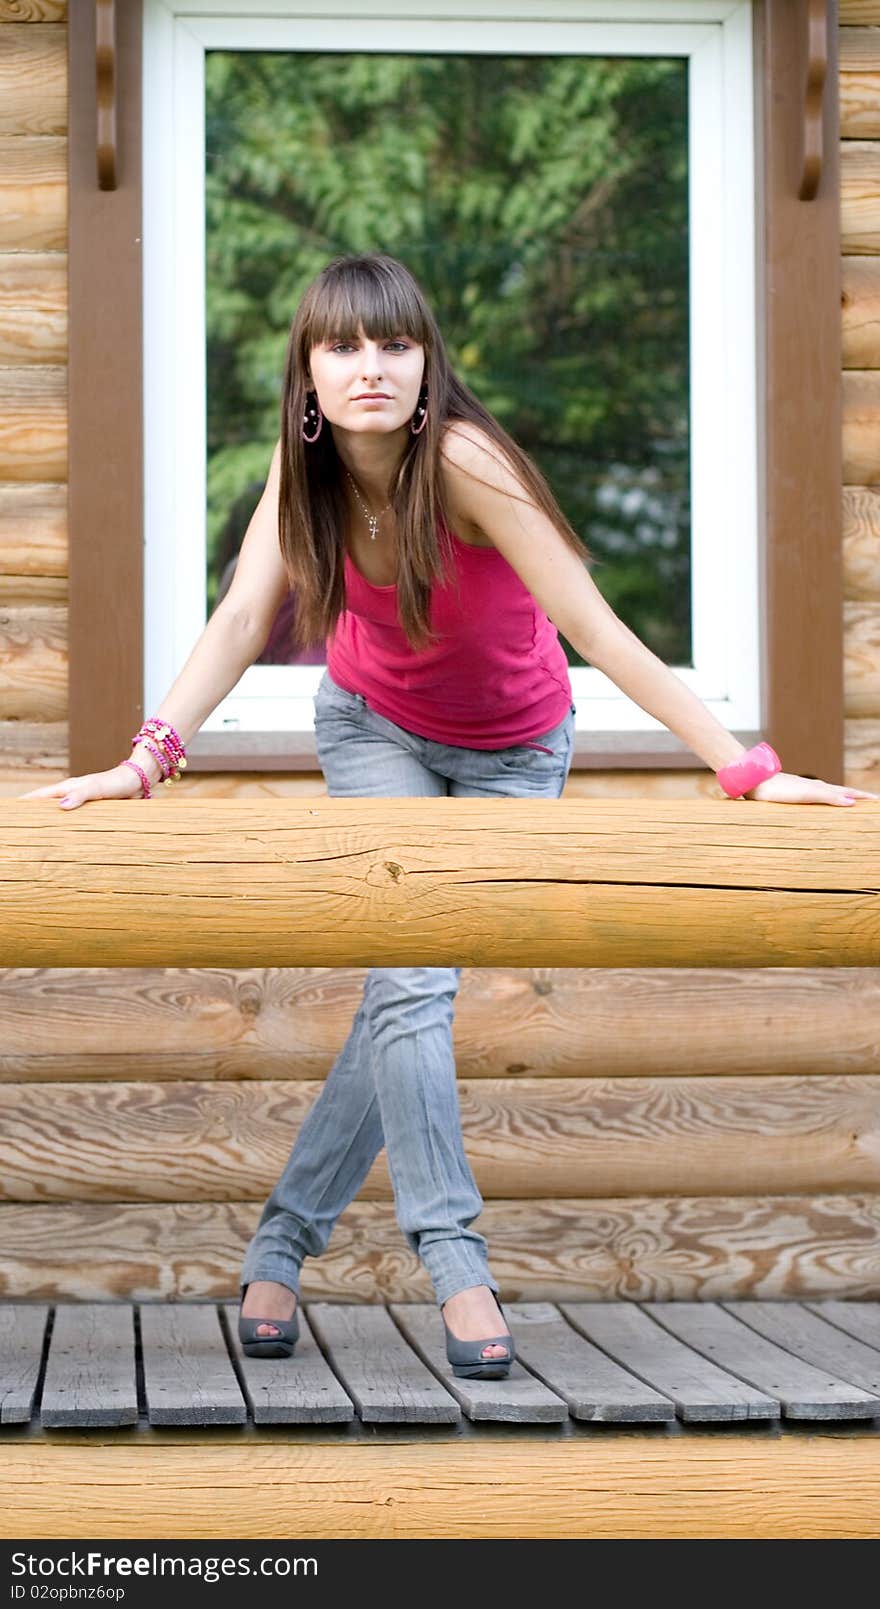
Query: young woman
column 428, row 552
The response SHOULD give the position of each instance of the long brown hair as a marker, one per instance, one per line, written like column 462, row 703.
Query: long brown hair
column 378, row 293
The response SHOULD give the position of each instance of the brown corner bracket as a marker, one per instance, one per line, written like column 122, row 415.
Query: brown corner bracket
column 105, row 84
column 816, row 51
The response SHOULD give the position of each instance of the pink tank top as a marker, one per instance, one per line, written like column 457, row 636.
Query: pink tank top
column 497, row 676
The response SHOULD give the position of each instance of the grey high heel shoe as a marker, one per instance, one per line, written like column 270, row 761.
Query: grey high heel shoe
column 268, row 1346
column 466, row 1356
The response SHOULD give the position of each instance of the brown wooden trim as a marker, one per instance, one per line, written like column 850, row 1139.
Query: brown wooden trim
column 799, row 399
column 800, row 392
column 105, row 507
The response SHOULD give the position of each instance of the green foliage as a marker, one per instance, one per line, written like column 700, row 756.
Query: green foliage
column 542, row 204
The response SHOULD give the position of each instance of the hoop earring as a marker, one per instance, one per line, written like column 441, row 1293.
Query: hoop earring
column 312, row 416
column 421, row 409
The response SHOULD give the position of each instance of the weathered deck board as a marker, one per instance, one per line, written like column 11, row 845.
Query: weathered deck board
column 598, row 1363
column 520, row 1399
column 813, row 1338
column 588, row 1380
column 302, row 1390
column 90, row 1372
column 388, row 1383
column 188, row 1376
column 700, row 1389
column 860, row 1319
column 22, row 1330
column 803, row 1391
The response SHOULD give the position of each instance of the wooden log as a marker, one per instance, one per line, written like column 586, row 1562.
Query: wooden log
column 640, row 1248
column 33, row 530
column 861, row 543
column 33, row 192
column 860, row 311
column 598, row 1484
column 525, row 1138
column 467, row 882
column 861, row 659
column 33, row 663
column 29, row 336
column 129, row 1023
column 33, row 423
column 31, row 750
column 33, row 79
column 858, row 13
column 43, row 11
column 862, row 767
column 860, row 196
column 861, row 427
column 859, row 84
column 33, row 279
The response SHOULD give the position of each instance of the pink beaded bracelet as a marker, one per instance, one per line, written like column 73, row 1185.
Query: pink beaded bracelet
column 744, row 773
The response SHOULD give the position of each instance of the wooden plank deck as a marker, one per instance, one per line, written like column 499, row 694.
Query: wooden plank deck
column 129, row 1366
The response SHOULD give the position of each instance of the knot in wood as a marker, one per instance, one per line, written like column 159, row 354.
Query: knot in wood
column 385, row 872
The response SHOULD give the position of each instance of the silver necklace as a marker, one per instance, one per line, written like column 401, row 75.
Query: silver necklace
column 372, row 519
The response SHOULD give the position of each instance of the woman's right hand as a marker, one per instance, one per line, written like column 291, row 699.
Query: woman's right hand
column 120, row 783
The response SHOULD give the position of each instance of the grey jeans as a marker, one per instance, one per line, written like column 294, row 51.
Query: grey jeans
column 394, row 1081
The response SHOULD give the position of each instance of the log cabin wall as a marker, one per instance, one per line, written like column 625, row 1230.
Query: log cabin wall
column 639, row 1133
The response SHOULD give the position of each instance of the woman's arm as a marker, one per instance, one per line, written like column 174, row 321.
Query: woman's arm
column 488, row 493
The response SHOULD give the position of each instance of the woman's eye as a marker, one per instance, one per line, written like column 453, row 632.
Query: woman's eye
column 338, row 346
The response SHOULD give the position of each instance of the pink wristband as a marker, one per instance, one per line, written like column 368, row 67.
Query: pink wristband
column 751, row 768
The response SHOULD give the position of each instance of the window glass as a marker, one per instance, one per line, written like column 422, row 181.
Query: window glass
column 542, row 202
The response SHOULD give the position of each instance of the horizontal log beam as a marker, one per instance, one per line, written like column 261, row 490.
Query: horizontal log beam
column 469, row 882
column 641, row 1248
column 161, row 1026
column 525, row 1139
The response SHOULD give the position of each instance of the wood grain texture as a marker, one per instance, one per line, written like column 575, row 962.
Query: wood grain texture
column 520, row 1398
column 33, row 192
column 860, row 311
column 43, row 11
column 862, row 659
column 28, row 336
column 33, row 422
column 525, row 1139
column 308, row 1394
column 31, row 749
column 440, row 881
column 862, row 768
column 36, row 280
column 22, row 1333
column 636, row 1248
column 169, row 1024
column 861, row 543
column 626, row 1483
column 188, row 1373
column 386, row 1380
column 33, row 529
column 727, row 1337
column 90, row 1370
column 860, row 196
column 592, row 1385
column 861, row 427
column 33, row 79
column 811, row 1336
column 852, row 13
column 859, row 86
column 859, row 51
column 33, row 663
column 702, row 1390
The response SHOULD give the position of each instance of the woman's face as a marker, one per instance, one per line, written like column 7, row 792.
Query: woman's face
column 367, row 386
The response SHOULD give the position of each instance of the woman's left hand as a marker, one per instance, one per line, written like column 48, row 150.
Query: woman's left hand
column 785, row 788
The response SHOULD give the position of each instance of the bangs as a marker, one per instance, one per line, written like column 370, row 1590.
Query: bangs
column 368, row 295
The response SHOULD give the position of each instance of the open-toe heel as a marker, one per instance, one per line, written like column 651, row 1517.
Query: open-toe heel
column 466, row 1357
column 268, row 1346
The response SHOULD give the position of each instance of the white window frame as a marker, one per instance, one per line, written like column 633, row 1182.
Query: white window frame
column 716, row 38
